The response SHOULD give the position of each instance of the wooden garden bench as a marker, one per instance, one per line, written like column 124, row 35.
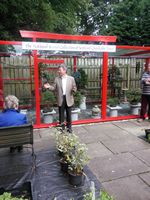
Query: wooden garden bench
column 17, row 136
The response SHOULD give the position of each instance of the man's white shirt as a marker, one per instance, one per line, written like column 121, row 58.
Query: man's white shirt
column 64, row 83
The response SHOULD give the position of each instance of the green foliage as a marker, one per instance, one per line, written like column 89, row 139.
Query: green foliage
column 7, row 196
column 74, row 152
column 81, row 79
column 77, row 98
column 25, row 15
column 134, row 96
column 131, row 28
column 78, row 159
column 40, row 15
column 48, row 97
column 114, row 77
column 78, row 17
column 103, row 196
column 65, row 143
column 113, row 101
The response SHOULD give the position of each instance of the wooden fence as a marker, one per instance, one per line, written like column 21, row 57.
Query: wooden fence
column 18, row 74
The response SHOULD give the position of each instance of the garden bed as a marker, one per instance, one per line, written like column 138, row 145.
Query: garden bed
column 47, row 181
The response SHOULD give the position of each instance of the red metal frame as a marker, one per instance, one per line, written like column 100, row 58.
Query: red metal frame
column 50, row 61
column 75, row 63
column 104, row 39
column 88, row 121
column 104, row 84
column 44, row 35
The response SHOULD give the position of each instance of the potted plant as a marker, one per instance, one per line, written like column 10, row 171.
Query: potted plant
column 81, row 79
column 65, row 144
column 75, row 111
column 49, row 100
column 147, row 134
column 76, row 164
column 8, row 196
column 113, row 106
column 134, row 97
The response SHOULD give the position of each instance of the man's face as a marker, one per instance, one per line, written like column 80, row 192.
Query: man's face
column 61, row 71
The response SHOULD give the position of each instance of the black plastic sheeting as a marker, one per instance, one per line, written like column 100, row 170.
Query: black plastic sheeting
column 47, row 180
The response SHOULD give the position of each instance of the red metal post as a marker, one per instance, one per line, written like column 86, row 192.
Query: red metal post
column 104, row 84
column 147, row 62
column 30, row 66
column 113, row 74
column 75, row 63
column 36, row 78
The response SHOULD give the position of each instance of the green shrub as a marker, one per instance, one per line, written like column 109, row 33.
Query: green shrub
column 8, row 196
column 103, row 196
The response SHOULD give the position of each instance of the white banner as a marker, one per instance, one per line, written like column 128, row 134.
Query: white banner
column 68, row 47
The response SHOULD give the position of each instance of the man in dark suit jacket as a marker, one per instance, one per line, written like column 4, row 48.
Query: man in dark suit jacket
column 65, row 86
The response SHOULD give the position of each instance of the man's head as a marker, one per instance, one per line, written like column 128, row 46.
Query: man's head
column 11, row 101
column 62, row 70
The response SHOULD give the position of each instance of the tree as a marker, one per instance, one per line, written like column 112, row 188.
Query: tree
column 94, row 16
column 27, row 15
column 57, row 16
column 129, row 21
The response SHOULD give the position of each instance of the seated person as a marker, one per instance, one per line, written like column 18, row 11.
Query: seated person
column 10, row 116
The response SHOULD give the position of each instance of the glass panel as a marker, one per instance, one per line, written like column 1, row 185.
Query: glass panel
column 17, row 78
column 124, row 82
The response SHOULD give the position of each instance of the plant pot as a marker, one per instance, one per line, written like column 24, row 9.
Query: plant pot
column 76, row 180
column 83, row 103
column 113, row 111
column 135, row 109
column 48, row 116
column 74, row 114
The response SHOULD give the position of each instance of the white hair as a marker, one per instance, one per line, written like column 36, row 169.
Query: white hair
column 11, row 101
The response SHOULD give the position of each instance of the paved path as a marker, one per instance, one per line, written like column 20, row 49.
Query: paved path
column 119, row 158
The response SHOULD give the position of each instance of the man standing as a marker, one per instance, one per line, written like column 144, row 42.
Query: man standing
column 65, row 86
column 145, row 99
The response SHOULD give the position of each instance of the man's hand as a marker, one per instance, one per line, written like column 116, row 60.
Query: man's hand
column 46, row 85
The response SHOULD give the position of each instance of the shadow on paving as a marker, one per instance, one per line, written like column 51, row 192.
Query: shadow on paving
column 47, row 180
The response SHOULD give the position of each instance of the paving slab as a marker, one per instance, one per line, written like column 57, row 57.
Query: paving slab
column 91, row 134
column 133, row 126
column 143, row 155
column 101, row 133
column 116, row 166
column 128, row 188
column 145, row 177
column 97, row 150
column 126, row 144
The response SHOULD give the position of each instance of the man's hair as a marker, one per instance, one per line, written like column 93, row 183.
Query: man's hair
column 63, row 66
column 11, row 101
